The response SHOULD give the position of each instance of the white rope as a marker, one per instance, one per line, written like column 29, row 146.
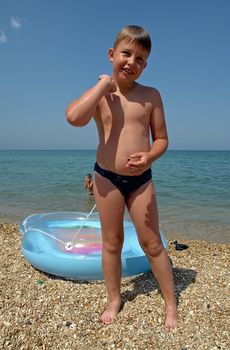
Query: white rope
column 47, row 234
column 69, row 245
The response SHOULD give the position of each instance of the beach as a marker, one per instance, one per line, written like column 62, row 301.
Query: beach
column 40, row 311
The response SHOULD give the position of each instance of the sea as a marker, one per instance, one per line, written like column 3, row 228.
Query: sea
column 193, row 189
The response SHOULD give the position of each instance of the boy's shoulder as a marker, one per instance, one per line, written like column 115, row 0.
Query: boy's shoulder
column 149, row 92
column 149, row 89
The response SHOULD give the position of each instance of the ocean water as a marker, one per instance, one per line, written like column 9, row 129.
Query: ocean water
column 193, row 188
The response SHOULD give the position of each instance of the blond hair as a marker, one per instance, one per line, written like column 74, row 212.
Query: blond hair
column 136, row 34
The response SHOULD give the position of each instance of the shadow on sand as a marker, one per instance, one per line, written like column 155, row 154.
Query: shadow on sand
column 146, row 283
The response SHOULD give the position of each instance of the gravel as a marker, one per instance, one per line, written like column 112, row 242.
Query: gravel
column 40, row 311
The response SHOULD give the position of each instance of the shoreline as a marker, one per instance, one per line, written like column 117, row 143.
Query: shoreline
column 64, row 314
column 203, row 232
column 173, row 228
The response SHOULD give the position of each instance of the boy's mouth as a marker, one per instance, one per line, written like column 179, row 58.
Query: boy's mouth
column 127, row 70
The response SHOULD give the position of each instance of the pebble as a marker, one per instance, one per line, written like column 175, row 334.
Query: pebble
column 61, row 314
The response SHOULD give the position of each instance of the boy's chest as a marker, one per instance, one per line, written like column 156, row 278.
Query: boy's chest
column 124, row 110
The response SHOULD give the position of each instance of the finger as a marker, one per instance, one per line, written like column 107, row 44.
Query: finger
column 134, row 164
column 138, row 155
column 133, row 167
column 136, row 170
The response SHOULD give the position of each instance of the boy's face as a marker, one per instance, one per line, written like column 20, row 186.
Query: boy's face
column 129, row 60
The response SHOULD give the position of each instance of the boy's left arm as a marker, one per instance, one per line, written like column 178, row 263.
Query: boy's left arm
column 159, row 136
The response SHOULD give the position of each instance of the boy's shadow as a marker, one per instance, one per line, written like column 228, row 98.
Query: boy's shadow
column 146, row 283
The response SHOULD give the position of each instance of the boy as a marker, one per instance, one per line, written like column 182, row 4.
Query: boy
column 89, row 184
column 125, row 112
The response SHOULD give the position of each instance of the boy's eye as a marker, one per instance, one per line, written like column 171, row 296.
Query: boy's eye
column 125, row 53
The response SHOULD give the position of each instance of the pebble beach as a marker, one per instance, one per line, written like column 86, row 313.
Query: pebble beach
column 40, row 311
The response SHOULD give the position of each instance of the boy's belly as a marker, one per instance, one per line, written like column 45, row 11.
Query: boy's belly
column 116, row 161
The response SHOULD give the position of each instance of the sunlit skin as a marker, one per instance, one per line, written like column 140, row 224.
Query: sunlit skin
column 126, row 114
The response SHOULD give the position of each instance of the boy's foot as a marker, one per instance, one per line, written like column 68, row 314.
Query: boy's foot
column 111, row 312
column 171, row 318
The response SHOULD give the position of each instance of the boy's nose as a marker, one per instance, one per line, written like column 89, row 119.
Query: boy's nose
column 131, row 60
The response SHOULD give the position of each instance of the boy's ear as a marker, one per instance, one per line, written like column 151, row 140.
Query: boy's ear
column 111, row 54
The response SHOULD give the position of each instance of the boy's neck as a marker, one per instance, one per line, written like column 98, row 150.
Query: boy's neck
column 125, row 87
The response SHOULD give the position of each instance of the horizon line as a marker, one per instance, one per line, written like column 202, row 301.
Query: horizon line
column 94, row 149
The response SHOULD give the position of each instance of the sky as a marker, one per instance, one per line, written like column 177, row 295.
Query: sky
column 51, row 51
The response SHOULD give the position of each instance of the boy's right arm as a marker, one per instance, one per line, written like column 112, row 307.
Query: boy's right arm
column 81, row 110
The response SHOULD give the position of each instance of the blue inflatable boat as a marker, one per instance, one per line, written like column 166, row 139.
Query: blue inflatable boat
column 68, row 244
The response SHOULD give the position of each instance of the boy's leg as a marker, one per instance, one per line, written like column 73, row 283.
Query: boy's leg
column 142, row 206
column 111, row 205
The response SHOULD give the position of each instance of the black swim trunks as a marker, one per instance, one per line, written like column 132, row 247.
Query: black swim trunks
column 125, row 184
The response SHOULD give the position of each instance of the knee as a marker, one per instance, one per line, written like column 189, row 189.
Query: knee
column 113, row 246
column 152, row 248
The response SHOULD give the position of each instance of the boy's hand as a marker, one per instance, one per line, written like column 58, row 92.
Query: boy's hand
column 139, row 162
column 110, row 83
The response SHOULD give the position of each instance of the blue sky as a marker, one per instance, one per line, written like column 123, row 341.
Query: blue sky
column 51, row 51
